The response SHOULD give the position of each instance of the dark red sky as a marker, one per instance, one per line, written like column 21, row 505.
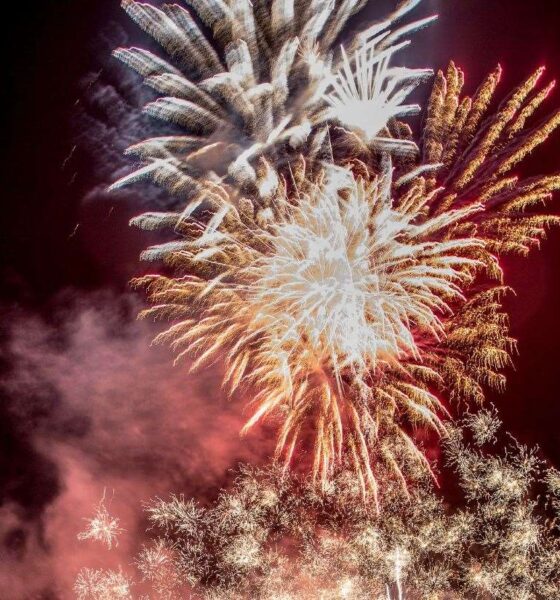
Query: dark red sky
column 51, row 48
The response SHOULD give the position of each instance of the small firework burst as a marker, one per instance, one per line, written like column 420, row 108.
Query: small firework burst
column 102, row 527
column 484, row 424
column 366, row 93
column 97, row 584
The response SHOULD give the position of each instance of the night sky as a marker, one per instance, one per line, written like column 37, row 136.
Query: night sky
column 86, row 404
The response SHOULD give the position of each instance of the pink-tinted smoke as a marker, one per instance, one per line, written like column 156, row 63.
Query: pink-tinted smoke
column 123, row 422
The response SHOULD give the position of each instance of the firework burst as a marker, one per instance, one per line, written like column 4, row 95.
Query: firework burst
column 274, row 537
column 344, row 272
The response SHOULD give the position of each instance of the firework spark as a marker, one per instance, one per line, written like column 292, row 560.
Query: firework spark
column 102, row 527
column 345, row 273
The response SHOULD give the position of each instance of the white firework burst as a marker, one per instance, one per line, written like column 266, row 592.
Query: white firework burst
column 367, row 93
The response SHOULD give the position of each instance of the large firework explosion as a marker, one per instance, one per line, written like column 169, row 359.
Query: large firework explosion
column 347, row 276
column 345, row 273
